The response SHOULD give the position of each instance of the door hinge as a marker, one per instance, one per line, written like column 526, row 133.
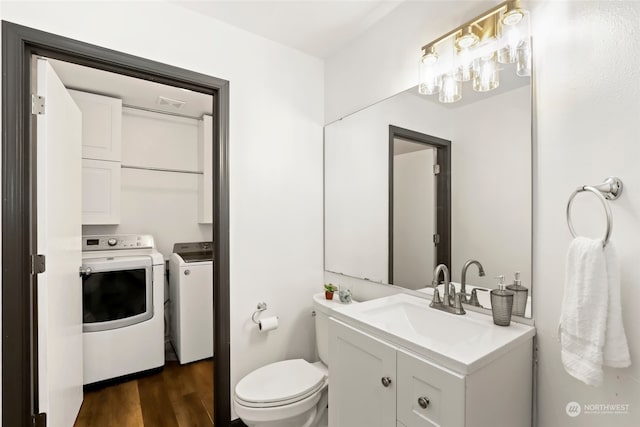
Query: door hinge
column 38, row 264
column 39, row 420
column 37, row 104
column 436, row 239
column 436, row 169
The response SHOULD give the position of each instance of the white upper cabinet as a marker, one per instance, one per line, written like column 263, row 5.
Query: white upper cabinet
column 205, row 164
column 101, row 157
column 101, row 126
column 101, row 183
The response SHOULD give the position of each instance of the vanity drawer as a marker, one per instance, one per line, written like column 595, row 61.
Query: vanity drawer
column 421, row 383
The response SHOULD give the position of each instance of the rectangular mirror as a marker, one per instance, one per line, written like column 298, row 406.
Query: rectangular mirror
column 411, row 183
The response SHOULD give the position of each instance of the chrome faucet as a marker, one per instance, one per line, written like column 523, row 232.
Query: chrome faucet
column 440, row 268
column 463, row 279
column 445, row 304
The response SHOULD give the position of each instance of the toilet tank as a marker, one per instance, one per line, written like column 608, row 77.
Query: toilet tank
column 324, row 309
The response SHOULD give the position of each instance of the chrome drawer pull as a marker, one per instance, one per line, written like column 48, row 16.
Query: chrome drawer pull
column 386, row 381
column 423, row 402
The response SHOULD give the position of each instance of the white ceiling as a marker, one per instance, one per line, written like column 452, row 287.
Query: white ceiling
column 132, row 91
column 317, row 27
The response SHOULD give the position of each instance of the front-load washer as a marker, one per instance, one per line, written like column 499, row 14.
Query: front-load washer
column 191, row 296
column 122, row 306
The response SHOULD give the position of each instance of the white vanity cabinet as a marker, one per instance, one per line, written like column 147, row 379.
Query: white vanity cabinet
column 359, row 364
column 101, row 157
column 420, row 392
column 205, row 164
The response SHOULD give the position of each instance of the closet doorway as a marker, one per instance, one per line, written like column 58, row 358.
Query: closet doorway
column 21, row 266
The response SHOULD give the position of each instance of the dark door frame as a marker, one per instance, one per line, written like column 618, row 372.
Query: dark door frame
column 19, row 324
column 443, row 197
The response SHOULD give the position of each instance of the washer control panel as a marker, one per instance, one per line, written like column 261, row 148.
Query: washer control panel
column 116, row 242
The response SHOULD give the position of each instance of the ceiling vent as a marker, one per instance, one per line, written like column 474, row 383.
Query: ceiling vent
column 175, row 103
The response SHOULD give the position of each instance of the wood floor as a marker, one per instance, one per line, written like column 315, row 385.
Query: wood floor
column 179, row 396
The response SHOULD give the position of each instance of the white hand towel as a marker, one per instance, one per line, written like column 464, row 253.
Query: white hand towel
column 616, row 349
column 591, row 331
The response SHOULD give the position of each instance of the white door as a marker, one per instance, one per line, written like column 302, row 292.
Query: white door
column 363, row 379
column 59, row 132
column 414, row 215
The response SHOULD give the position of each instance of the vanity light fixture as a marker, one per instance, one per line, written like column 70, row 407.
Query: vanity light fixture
column 473, row 52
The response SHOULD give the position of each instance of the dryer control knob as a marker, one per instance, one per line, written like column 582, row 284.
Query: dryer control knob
column 112, row 242
column 187, row 272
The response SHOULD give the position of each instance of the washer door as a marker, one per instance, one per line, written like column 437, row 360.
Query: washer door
column 116, row 292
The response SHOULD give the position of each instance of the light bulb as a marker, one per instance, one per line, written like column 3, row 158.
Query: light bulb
column 428, row 81
column 486, row 74
column 512, row 37
column 464, row 71
column 451, row 89
column 523, row 62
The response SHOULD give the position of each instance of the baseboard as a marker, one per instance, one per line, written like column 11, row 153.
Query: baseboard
column 237, row 423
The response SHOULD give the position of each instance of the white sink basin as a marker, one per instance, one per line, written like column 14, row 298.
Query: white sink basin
column 463, row 343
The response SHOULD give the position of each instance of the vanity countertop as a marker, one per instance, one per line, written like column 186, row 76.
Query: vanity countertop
column 461, row 343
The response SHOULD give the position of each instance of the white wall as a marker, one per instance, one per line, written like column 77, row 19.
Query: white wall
column 587, row 128
column 163, row 204
column 275, row 168
column 414, row 218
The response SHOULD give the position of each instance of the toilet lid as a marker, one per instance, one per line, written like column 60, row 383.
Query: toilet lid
column 280, row 381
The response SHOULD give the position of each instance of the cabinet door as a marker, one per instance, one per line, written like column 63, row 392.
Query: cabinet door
column 421, row 384
column 100, row 192
column 205, row 163
column 101, row 125
column 358, row 365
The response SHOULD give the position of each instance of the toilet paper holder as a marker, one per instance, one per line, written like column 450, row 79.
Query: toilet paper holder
column 262, row 306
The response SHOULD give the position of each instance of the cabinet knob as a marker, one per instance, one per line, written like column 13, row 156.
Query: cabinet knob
column 187, row 272
column 386, row 381
column 423, row 402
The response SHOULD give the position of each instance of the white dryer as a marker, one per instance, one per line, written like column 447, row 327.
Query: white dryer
column 123, row 300
column 191, row 295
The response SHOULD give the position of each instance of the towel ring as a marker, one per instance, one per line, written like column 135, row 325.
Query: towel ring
column 611, row 190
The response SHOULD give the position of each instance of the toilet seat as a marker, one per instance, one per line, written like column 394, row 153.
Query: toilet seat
column 278, row 384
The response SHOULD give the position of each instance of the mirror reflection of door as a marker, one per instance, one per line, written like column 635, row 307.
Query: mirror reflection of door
column 414, row 213
column 419, row 207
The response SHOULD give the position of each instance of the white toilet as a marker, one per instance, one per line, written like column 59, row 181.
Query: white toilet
column 291, row 393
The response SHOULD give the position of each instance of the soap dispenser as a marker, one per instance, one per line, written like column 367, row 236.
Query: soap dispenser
column 521, row 294
column 501, row 304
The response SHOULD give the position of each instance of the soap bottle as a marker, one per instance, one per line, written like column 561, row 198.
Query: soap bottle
column 501, row 304
column 520, row 297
